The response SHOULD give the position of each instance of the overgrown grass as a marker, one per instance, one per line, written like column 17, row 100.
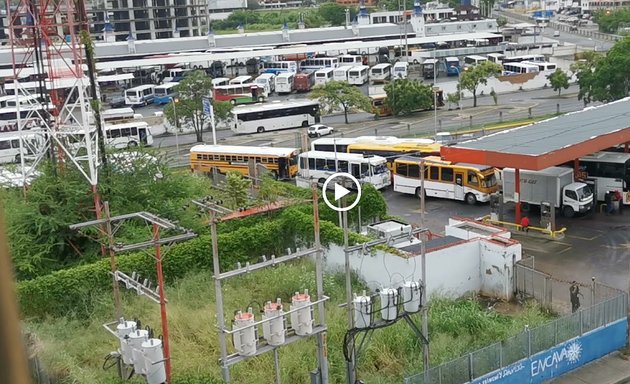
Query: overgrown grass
column 74, row 350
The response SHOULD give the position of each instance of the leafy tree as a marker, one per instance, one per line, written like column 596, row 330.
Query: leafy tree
column 335, row 94
column 478, row 75
column 191, row 91
column 610, row 21
column 502, row 21
column 405, row 96
column 222, row 111
column 559, row 80
column 333, row 13
column 605, row 78
column 392, row 5
column 236, row 190
column 453, row 98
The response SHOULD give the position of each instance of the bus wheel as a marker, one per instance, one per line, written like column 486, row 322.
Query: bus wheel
column 419, row 193
column 233, row 101
column 132, row 144
column 415, row 62
column 304, row 124
column 261, row 99
column 260, row 129
column 321, row 182
column 524, row 207
column 274, row 174
column 18, row 158
column 470, row 199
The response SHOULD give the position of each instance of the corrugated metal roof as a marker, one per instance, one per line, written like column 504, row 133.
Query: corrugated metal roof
column 556, row 133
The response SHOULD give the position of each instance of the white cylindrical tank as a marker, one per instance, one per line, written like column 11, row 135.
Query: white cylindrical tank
column 245, row 337
column 274, row 330
column 154, row 360
column 411, row 296
column 389, row 304
column 302, row 319
column 362, row 311
column 136, row 339
column 123, row 330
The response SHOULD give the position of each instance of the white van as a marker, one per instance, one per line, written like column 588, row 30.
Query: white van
column 400, row 70
column 267, row 82
column 323, row 76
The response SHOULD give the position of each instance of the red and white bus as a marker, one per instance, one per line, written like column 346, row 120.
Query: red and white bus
column 239, row 93
column 304, row 81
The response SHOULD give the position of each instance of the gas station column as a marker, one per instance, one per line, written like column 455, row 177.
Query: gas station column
column 517, row 195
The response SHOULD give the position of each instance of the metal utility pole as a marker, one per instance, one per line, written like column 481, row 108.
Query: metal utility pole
column 322, row 348
column 225, row 370
column 351, row 364
column 435, row 71
column 423, row 262
column 110, row 225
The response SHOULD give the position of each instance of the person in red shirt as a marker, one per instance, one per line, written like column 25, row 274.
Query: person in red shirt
column 525, row 223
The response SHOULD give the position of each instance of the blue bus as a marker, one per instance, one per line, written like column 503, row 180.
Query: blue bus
column 452, row 66
column 165, row 93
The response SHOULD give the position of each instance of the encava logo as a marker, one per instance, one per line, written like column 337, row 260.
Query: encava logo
column 571, row 353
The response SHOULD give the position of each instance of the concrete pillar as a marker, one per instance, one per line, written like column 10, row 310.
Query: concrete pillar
column 173, row 25
column 625, row 148
column 517, row 192
column 189, row 15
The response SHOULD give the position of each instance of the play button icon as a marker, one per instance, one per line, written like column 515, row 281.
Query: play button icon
column 342, row 182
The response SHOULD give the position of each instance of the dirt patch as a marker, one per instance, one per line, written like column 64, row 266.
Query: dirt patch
column 508, row 308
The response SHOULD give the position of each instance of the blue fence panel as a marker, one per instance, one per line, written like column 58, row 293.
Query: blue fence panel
column 561, row 358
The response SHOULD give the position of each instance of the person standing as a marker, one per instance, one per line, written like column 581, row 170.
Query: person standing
column 574, row 292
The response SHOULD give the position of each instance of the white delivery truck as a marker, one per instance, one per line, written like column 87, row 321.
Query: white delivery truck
column 554, row 185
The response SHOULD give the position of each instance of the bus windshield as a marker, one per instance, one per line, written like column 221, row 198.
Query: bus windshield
column 489, row 180
column 379, row 168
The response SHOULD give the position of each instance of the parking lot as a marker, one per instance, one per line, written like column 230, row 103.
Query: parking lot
column 596, row 245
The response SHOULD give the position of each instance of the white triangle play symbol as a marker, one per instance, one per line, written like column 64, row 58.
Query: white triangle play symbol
column 340, row 191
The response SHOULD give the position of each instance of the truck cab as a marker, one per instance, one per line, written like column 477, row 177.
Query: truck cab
column 576, row 198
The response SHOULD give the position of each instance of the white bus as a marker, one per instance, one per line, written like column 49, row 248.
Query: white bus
column 316, row 165
column 496, row 58
column 519, row 59
column 119, row 115
column 13, row 100
column 474, row 60
column 465, row 182
column 276, row 67
column 165, row 93
column 610, row 170
column 140, row 96
column 516, row 68
column 285, row 82
column 350, row 60
column 267, row 81
column 31, row 87
column 276, row 115
column 380, row 72
column 542, row 66
column 333, row 144
column 358, row 75
column 128, row 135
column 238, row 80
column 10, row 151
column 341, row 73
column 322, row 76
column 400, row 70
column 319, row 63
column 220, row 81
column 30, row 116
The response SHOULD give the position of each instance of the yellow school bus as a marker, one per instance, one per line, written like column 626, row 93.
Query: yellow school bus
column 281, row 162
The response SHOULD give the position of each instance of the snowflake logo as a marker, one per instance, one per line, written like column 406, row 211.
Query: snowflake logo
column 574, row 351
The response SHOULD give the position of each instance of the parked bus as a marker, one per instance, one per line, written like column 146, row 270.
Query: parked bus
column 219, row 81
column 322, row 76
column 379, row 105
column 165, row 93
column 173, row 75
column 266, row 81
column 519, row 59
column 29, row 100
column 341, row 73
column 333, row 144
column 358, row 75
column 274, row 116
column 285, row 82
column 140, row 96
column 238, row 80
column 282, row 162
column 128, row 135
column 319, row 63
column 304, row 81
column 496, row 58
column 430, row 69
column 611, row 172
column 238, row 93
column 516, row 68
column 276, row 67
column 30, row 117
column 393, row 148
column 350, row 60
column 542, row 66
column 474, row 60
column 381, row 72
column 118, row 115
column 10, row 149
column 400, row 70
column 452, row 66
column 315, row 165
column 464, row 182
column 30, row 87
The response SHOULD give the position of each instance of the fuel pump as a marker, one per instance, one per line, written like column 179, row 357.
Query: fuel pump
column 547, row 216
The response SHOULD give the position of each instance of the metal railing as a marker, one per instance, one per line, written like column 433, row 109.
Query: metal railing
column 602, row 305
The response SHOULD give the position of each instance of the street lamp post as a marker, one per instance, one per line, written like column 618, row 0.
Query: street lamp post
column 174, row 101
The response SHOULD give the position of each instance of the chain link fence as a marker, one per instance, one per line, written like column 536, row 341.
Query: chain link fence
column 602, row 305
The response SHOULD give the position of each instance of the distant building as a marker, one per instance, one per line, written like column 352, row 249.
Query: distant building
column 467, row 12
column 347, row 3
